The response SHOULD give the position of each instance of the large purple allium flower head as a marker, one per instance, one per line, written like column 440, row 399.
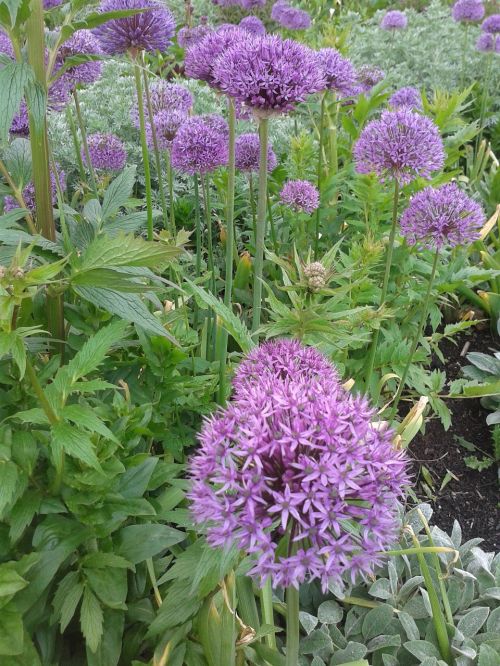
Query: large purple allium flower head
column 6, row 45
column 200, row 145
column 296, row 458
column 252, row 4
column 394, row 20
column 339, row 72
column 368, row 76
column 170, row 97
column 247, row 153
column 106, row 151
column 253, row 24
column 401, row 145
column 82, row 42
column 292, row 18
column 202, row 56
column 151, row 30
column 187, row 37
column 269, row 74
column 167, row 124
column 467, row 11
column 443, row 216
column 279, row 7
column 29, row 192
column 49, row 4
column 491, row 24
column 300, row 195
column 488, row 42
column 408, row 97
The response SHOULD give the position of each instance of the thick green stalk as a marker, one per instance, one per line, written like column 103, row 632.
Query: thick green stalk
column 320, row 170
column 76, row 144
column 388, row 262
column 144, row 146
column 252, row 206
column 223, row 337
column 464, row 51
column 484, row 98
column 83, row 134
column 261, row 226
column 156, row 149
column 416, row 339
column 35, row 33
column 197, row 218
column 270, row 217
column 205, row 188
column 266, row 609
column 170, row 177
column 292, row 626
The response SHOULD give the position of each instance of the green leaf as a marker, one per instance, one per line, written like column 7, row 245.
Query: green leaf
column 330, row 612
column 91, row 620
column 136, row 479
column 101, row 560
column 137, row 543
column 13, row 6
column 233, row 325
column 84, row 416
column 422, row 649
column 119, row 192
column 13, row 80
column 11, row 633
column 352, row 651
column 17, row 159
column 36, row 99
column 488, row 656
column 109, row 651
column 75, row 443
column 376, row 621
column 472, row 622
column 316, row 642
column 69, row 605
column 110, row 585
column 10, row 581
column 9, row 474
column 22, row 514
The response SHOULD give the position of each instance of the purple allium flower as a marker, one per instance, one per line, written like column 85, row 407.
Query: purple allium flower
column 29, row 193
column 253, row 24
column 339, row 72
column 491, row 24
column 408, row 97
column 247, row 153
column 170, row 104
column 295, row 456
column 443, row 216
column 201, row 144
column 394, row 20
column 368, row 76
column 82, row 42
column 167, row 124
column 252, row 4
column 467, row 11
column 151, row 30
column 488, row 42
column 6, row 45
column 300, row 195
column 202, row 56
column 278, row 8
column 106, row 151
column 294, row 19
column 170, row 97
column 269, row 74
column 187, row 37
column 49, row 4
column 401, row 144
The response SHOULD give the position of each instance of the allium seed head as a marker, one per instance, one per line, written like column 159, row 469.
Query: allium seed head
column 201, row 145
column 247, row 153
column 394, row 20
column 253, row 24
column 491, row 24
column 467, row 11
column 315, row 275
column 338, row 71
column 151, row 30
column 443, row 216
column 106, row 152
column 300, row 195
column 408, row 97
column 400, row 145
column 202, row 56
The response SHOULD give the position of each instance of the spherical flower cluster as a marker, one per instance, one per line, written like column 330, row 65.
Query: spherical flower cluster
column 202, row 56
column 170, row 97
column 253, row 24
column 294, row 457
column 338, row 71
column 401, row 145
column 468, row 11
column 6, row 45
column 29, row 193
column 394, row 20
column 248, row 5
column 408, row 97
column 443, row 216
column 491, row 24
column 82, row 42
column 368, row 76
column 106, row 152
column 300, row 195
column 247, row 153
column 187, row 37
column 151, row 30
column 488, row 42
column 278, row 7
column 170, row 104
column 269, row 74
column 201, row 145
column 292, row 18
column 315, row 275
column 167, row 124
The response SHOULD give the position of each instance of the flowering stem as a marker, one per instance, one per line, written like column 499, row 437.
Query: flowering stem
column 170, row 178
column 271, row 224
column 156, row 150
column 373, row 347
column 464, row 51
column 292, row 626
column 320, row 168
column 144, row 145
column 484, row 97
column 416, row 339
column 76, row 144
column 83, row 134
column 252, row 206
column 198, row 237
column 261, row 225
column 205, row 188
column 266, row 608
column 223, row 337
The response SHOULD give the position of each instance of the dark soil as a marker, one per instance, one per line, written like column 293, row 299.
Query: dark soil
column 473, row 499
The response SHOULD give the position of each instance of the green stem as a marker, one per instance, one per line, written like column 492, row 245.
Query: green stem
column 205, row 188
column 252, row 206
column 156, row 149
column 464, row 51
column 320, row 170
column 223, row 336
column 144, row 146
column 388, row 262
column 266, row 609
column 170, row 177
column 484, row 98
column 197, row 217
column 274, row 239
column 76, row 144
column 292, row 626
column 83, row 134
column 261, row 226
column 418, row 335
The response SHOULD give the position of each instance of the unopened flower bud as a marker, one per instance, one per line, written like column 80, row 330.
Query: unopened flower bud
column 315, row 275
column 18, row 273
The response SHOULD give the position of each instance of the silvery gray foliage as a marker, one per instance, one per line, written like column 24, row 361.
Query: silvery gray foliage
column 398, row 630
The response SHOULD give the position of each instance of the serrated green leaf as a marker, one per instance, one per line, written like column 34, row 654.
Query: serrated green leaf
column 11, row 633
column 13, row 80
column 22, row 514
column 118, row 192
column 84, row 416
column 101, row 560
column 75, row 443
column 137, row 543
column 91, row 619
column 9, row 474
column 110, row 585
column 69, row 605
column 10, row 581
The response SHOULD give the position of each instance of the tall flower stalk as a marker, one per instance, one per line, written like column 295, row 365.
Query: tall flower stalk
column 319, row 173
column 144, row 145
column 261, row 226
column 85, row 145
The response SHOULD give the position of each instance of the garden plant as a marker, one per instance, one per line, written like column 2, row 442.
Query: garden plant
column 249, row 333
